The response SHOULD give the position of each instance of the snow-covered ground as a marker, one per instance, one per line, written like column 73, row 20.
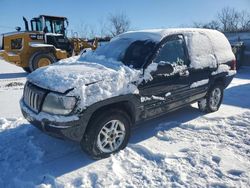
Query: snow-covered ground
column 182, row 149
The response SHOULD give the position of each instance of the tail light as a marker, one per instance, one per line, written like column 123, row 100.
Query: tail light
column 233, row 65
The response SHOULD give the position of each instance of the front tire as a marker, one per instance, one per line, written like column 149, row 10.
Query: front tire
column 107, row 133
column 213, row 99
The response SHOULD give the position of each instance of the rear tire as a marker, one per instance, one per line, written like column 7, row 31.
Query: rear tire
column 107, row 133
column 41, row 59
column 213, row 99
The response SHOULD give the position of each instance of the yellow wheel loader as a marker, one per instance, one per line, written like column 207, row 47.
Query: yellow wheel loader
column 42, row 44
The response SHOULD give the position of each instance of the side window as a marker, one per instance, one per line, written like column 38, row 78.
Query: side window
column 48, row 26
column 58, row 27
column 172, row 52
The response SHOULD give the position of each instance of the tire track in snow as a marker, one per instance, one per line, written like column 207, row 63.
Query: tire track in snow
column 12, row 84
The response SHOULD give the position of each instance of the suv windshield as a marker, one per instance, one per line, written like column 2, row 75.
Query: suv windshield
column 130, row 52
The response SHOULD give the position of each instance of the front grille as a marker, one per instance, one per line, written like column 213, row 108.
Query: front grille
column 33, row 97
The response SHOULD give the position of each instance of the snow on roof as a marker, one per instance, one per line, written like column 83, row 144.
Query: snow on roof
column 158, row 34
column 206, row 47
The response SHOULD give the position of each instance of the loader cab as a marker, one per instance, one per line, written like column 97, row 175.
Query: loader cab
column 54, row 28
column 49, row 24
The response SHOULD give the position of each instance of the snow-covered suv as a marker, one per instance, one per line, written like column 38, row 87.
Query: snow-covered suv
column 98, row 97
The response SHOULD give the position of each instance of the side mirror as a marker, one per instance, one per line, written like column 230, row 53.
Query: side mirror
column 18, row 28
column 164, row 68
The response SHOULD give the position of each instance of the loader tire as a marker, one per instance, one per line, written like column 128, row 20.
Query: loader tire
column 41, row 59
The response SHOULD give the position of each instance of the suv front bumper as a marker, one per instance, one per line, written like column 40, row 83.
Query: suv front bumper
column 71, row 127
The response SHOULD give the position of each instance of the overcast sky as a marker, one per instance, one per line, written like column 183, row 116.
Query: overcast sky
column 142, row 13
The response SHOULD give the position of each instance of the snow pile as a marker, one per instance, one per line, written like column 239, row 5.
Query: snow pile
column 199, row 83
column 223, row 68
column 13, row 136
column 147, row 72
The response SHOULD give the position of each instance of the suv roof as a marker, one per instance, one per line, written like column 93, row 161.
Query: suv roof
column 157, row 34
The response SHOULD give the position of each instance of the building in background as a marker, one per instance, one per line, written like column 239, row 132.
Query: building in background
column 241, row 41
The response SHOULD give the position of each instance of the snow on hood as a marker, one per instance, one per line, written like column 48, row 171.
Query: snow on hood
column 90, row 81
column 64, row 76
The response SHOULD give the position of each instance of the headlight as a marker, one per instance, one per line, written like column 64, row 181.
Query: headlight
column 58, row 104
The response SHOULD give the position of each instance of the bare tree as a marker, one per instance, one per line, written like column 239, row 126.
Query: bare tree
column 213, row 25
column 210, row 25
column 244, row 20
column 103, row 28
column 229, row 19
column 118, row 23
column 85, row 31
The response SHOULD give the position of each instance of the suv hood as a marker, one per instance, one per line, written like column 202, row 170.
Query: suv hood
column 62, row 77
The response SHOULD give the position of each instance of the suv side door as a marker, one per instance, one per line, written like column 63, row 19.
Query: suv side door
column 166, row 92
column 201, row 66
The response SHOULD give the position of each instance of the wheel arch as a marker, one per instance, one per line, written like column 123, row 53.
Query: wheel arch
column 44, row 49
column 125, row 106
column 219, row 80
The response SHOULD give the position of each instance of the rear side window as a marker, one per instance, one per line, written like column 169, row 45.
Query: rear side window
column 201, row 51
column 172, row 52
